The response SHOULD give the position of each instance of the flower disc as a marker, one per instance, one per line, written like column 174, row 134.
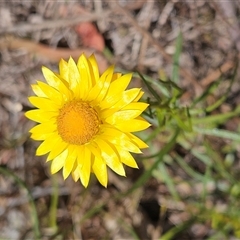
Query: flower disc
column 77, row 122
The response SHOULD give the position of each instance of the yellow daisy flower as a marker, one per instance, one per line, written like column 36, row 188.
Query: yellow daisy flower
column 86, row 120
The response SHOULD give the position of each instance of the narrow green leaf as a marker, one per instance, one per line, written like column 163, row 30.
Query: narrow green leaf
column 218, row 162
column 207, row 91
column 218, row 133
column 94, row 210
column 171, row 234
column 166, row 178
column 150, row 88
column 176, row 57
column 216, row 104
column 188, row 169
column 216, row 119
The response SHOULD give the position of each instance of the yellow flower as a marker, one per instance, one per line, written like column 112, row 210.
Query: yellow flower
column 85, row 120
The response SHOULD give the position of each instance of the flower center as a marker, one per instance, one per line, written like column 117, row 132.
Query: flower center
column 77, row 122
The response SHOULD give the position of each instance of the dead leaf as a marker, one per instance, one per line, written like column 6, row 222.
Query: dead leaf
column 90, row 36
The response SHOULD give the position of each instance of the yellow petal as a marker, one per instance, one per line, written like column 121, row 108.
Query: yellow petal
column 44, row 103
column 127, row 158
column 47, row 127
column 85, row 75
column 139, row 96
column 56, row 82
column 119, row 138
column 75, row 172
column 50, row 92
column 80, row 151
column 94, row 65
column 106, row 83
column 73, row 76
column 98, row 92
column 59, row 147
column 127, row 97
column 133, row 125
column 110, row 156
column 58, row 162
column 41, row 116
column 109, row 106
column 100, row 170
column 63, row 69
column 70, row 161
column 120, row 100
column 107, row 112
column 116, row 76
column 136, row 106
column 137, row 141
column 85, row 170
column 40, row 136
column 47, row 145
column 38, row 91
column 119, row 85
column 121, row 116
column 94, row 149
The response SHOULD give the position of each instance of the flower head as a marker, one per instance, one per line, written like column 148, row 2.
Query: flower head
column 86, row 120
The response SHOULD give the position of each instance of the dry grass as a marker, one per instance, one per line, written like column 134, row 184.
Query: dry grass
column 139, row 36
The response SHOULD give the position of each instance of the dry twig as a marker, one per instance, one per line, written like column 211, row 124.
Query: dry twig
column 51, row 24
column 48, row 53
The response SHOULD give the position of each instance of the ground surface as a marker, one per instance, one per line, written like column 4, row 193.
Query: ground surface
column 135, row 36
